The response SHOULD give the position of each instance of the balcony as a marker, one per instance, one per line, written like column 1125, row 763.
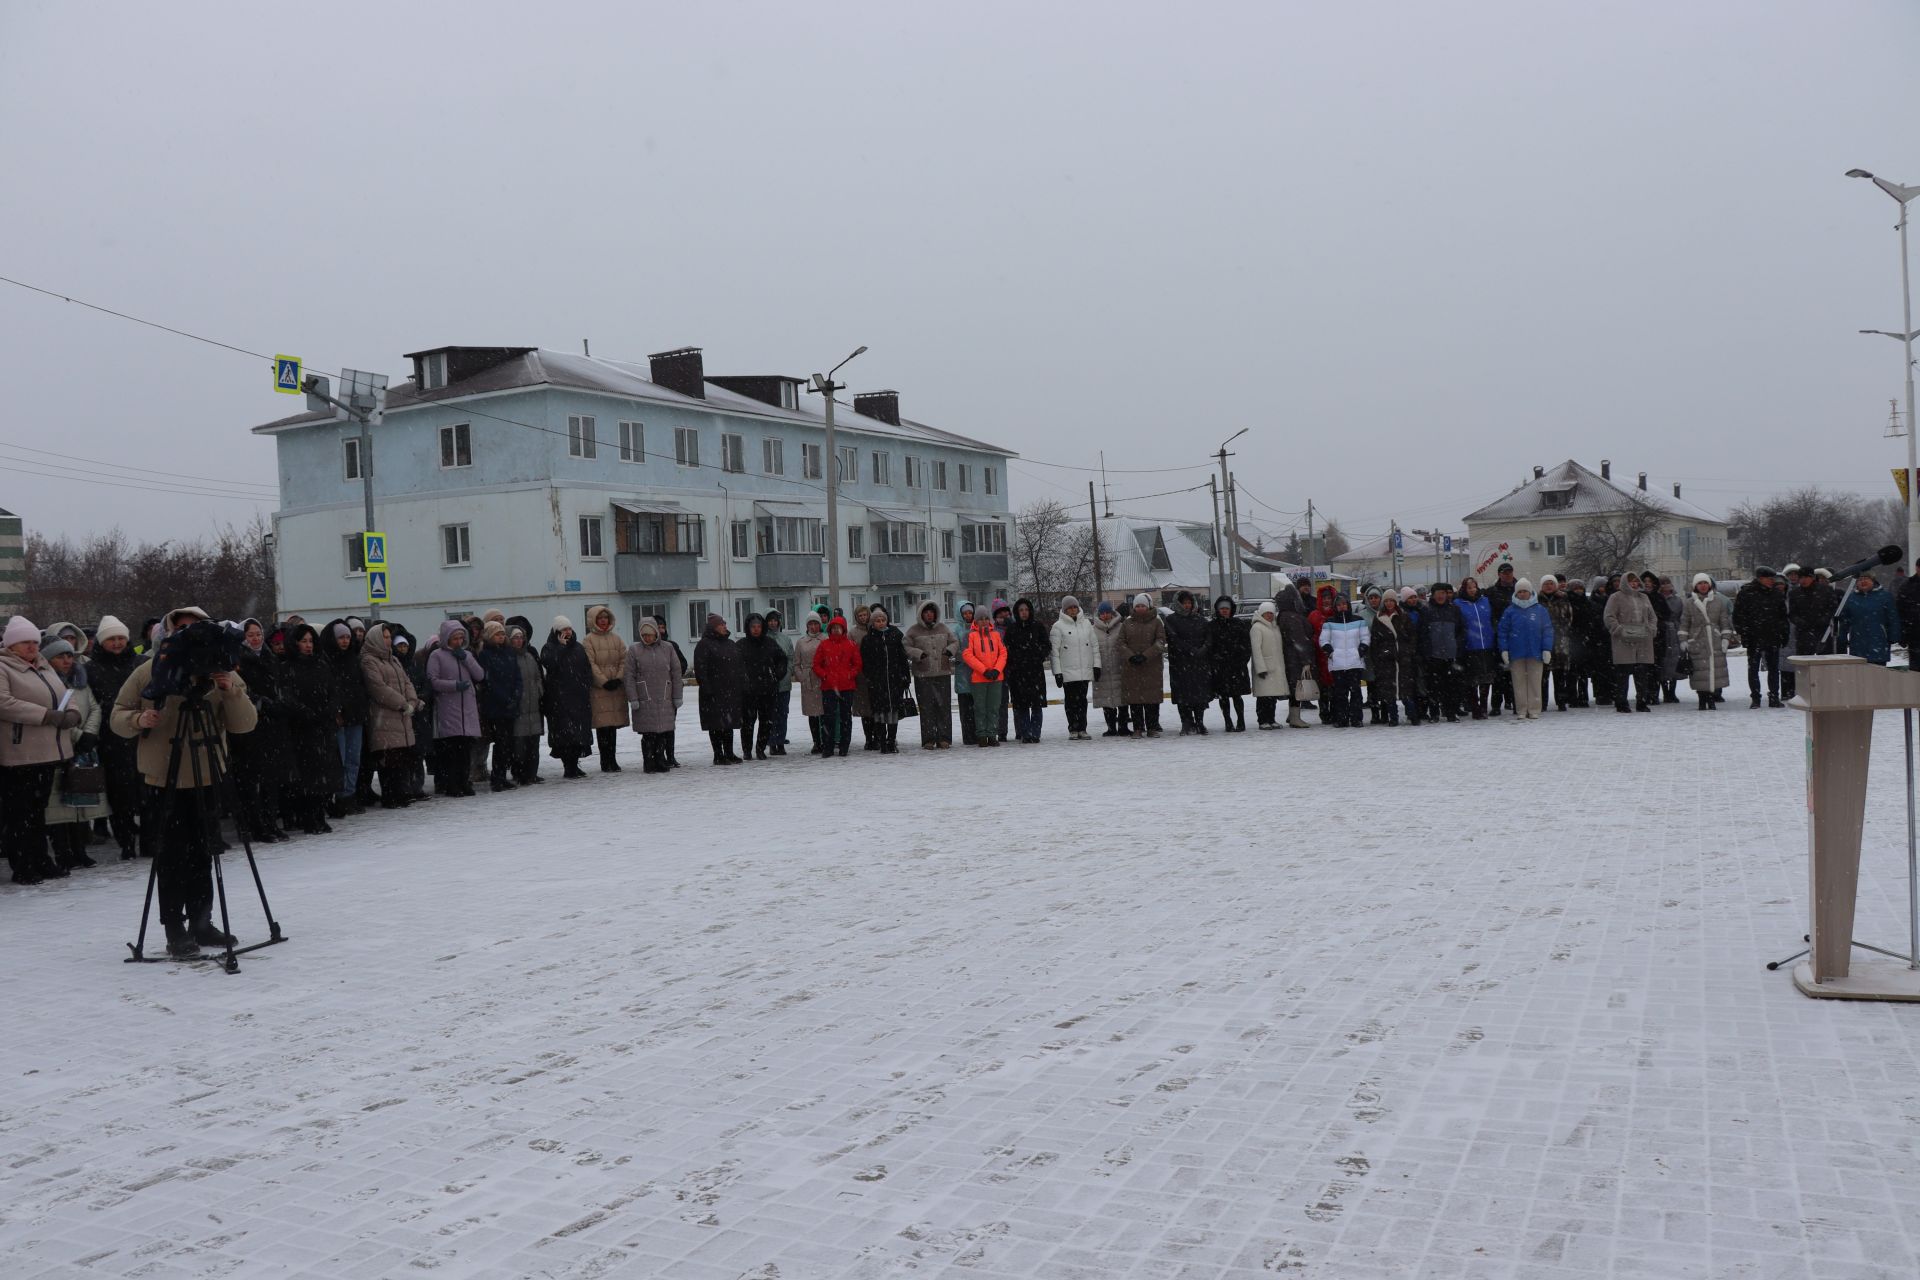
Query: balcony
column 983, row 566
column 788, row 569
column 887, row 569
column 656, row 571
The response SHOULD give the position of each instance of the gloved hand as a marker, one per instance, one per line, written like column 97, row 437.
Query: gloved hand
column 1506, row 659
column 461, row 686
column 1059, row 681
column 84, row 743
column 1327, row 649
column 1363, row 650
column 1546, row 659
column 992, row 673
column 1137, row 659
column 68, row 719
column 611, row 685
column 1096, row 673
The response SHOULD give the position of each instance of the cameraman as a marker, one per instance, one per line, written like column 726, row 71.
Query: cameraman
column 181, row 854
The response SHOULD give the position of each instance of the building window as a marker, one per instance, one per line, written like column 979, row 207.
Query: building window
column 455, row 548
column 966, row 478
column 433, row 371
column 849, row 464
column 810, row 462
column 882, row 468
column 633, row 442
column 900, row 539
column 691, row 532
column 697, row 611
column 590, row 542
column 580, row 441
column 948, row 598
column 799, row 535
column 456, row 445
column 350, row 449
column 740, row 539
column 733, row 453
column 741, row 608
column 686, row 446
column 915, row 472
column 976, row 538
column 991, row 479
column 649, row 609
column 773, row 457
column 356, row 555
column 856, row 542
column 1556, row 544
column 946, row 544
column 940, row 475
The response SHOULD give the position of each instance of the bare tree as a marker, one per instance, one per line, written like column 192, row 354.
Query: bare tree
column 1612, row 543
column 229, row 574
column 1813, row 527
column 1053, row 554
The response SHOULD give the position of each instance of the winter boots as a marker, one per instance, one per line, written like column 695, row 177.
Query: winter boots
column 1293, row 716
column 180, row 943
column 206, row 933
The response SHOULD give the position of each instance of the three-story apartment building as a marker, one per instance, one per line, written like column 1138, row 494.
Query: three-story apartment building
column 544, row 483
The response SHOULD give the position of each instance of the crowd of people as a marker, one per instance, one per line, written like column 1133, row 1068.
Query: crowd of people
column 321, row 723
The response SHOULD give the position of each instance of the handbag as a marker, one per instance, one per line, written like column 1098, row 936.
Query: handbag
column 82, row 784
column 909, row 708
column 1685, row 666
column 1305, row 690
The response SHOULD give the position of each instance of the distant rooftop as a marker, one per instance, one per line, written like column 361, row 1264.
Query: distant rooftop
column 1571, row 491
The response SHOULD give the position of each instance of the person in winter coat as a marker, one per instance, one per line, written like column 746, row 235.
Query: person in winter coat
column 1482, row 647
column 566, row 688
column 1189, row 668
column 763, row 664
column 1600, row 667
column 1229, row 654
column 1706, row 629
column 259, row 760
column 721, row 674
column 1073, row 652
column 783, row 692
column 1631, row 623
column 1141, row 645
column 309, row 702
column 1269, row 663
column 1871, row 620
column 869, row 732
column 962, row 627
column 811, row 705
column 607, row 655
column 342, row 648
column 455, row 674
column 986, row 658
column 1290, row 615
column 109, row 664
column 656, row 682
column 1558, row 674
column 836, row 665
column 391, row 702
column 1500, row 596
column 499, row 701
column 1390, row 651
column 1906, row 606
column 1344, row 643
column 1317, row 618
column 1526, row 647
column 1760, row 619
column 414, row 776
column 1442, row 642
column 70, row 814
column 1811, row 610
column 889, row 675
column 931, row 653
column 526, row 725
column 1028, row 648
column 33, row 748
column 1104, row 692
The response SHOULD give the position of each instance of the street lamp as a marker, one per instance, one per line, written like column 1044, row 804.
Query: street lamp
column 1904, row 195
column 826, row 386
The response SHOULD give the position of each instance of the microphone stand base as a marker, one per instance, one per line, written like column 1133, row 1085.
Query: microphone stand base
column 1868, row 980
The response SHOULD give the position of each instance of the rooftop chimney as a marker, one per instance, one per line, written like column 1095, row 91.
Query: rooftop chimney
column 1676, row 488
column 884, row 405
column 1643, row 482
column 682, row 370
column 1538, row 472
column 1606, row 468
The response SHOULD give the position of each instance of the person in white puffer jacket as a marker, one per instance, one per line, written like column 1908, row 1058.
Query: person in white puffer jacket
column 1343, row 638
column 1076, row 663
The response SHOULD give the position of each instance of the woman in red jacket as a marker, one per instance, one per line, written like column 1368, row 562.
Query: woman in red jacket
column 1321, row 615
column 837, row 663
column 986, row 657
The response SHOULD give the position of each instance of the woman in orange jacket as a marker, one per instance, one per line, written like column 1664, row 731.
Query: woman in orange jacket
column 837, row 663
column 986, row 657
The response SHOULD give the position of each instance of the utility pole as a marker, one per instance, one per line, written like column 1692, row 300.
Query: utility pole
column 824, row 385
column 1309, row 537
column 1220, row 570
column 1232, row 525
column 1093, row 514
column 1233, row 537
column 1393, row 548
column 1106, row 494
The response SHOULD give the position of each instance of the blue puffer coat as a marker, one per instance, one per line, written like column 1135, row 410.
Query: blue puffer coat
column 1526, row 631
column 1872, row 624
column 1476, row 617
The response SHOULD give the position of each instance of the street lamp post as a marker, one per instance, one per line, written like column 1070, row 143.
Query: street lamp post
column 1903, row 195
column 826, row 386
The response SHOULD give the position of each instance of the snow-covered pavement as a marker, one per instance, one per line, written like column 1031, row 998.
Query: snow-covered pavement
column 1481, row 1000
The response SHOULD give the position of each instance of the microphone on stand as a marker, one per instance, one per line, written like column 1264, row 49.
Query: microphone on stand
column 1885, row 555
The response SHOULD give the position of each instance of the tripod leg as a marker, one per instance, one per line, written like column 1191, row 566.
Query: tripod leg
column 153, row 868
column 207, row 794
column 138, row 945
column 217, row 757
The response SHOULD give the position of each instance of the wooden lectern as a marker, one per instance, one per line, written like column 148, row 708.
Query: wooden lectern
column 1840, row 695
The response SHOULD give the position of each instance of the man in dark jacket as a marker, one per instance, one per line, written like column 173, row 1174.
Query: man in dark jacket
column 1810, row 609
column 1442, row 642
column 1760, row 618
column 499, row 701
column 1499, row 596
column 1906, row 603
column 763, row 662
column 1187, row 667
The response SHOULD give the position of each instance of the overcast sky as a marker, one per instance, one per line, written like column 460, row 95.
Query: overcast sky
column 1417, row 248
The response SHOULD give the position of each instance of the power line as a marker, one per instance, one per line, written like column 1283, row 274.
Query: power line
column 151, row 324
column 1122, row 471
column 207, row 482
column 151, row 488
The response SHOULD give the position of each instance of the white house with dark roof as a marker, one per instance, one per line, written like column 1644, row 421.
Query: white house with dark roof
column 1533, row 526
column 543, row 483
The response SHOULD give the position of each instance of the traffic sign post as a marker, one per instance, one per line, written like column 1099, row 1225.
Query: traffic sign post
column 364, row 400
column 286, row 375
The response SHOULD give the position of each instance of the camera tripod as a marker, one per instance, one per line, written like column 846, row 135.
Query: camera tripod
column 213, row 787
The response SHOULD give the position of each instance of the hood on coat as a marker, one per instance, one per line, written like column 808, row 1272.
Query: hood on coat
column 746, row 632
column 73, row 635
column 922, row 614
column 1026, row 604
column 1232, row 606
column 1323, row 599
column 447, row 629
column 966, row 607
column 1287, row 599
column 837, row 626
column 595, row 614
column 375, row 642
column 293, row 643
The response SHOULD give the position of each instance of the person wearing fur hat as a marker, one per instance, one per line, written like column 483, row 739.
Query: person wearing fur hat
column 931, row 653
column 34, row 751
column 1526, row 647
column 108, row 667
column 566, row 686
column 607, row 654
column 1760, row 619
column 1074, row 654
column 1141, row 646
column 1705, row 631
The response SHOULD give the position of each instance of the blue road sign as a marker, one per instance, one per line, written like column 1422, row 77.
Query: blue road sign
column 377, row 586
column 1446, row 543
column 1399, row 540
column 376, row 550
column 286, row 375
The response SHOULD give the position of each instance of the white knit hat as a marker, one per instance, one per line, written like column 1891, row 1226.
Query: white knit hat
column 1699, row 578
column 110, row 627
column 1142, row 601
column 562, row 623
column 19, row 629
column 1823, row 574
column 1545, row 578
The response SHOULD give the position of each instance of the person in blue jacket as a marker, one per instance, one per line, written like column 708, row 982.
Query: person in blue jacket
column 1476, row 619
column 1526, row 648
column 1872, row 621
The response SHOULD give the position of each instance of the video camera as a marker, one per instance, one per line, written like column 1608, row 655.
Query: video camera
column 192, row 656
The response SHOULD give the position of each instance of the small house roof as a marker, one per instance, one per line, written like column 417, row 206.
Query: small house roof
column 1590, row 495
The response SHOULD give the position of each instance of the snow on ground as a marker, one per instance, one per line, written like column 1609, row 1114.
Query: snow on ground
column 1482, row 1000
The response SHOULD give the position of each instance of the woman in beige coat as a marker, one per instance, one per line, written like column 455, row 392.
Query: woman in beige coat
column 391, row 703
column 1705, row 632
column 607, row 655
column 1632, row 624
column 33, row 746
column 812, row 705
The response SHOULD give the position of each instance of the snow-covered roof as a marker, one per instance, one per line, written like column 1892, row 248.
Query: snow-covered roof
column 1159, row 553
column 535, row 367
column 1586, row 494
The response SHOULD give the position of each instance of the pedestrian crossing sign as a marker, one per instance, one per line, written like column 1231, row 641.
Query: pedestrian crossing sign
column 376, row 586
column 286, row 375
column 373, row 549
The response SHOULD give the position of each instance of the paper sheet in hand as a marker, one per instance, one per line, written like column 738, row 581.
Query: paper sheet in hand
column 65, row 698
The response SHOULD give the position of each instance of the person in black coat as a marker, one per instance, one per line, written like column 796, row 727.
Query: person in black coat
column 763, row 663
column 341, row 647
column 888, row 673
column 566, row 695
column 1441, row 639
column 1187, row 668
column 1029, row 645
column 1760, row 619
column 722, row 677
column 1229, row 655
column 260, row 757
column 499, row 701
column 310, row 705
column 110, row 662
